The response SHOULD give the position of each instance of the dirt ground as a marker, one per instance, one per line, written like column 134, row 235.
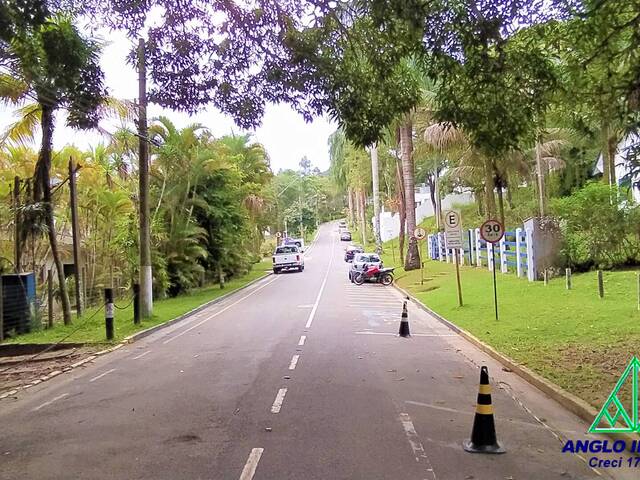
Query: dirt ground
column 22, row 370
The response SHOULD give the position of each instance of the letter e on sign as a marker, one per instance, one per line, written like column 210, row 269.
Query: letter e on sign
column 453, row 229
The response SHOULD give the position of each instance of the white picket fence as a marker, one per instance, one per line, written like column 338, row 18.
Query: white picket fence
column 513, row 253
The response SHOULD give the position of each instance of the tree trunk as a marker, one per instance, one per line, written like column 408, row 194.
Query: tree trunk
column 500, row 204
column 363, row 217
column 376, row 195
column 540, row 171
column 350, row 200
column 431, row 182
column 402, row 208
column 438, row 211
column 612, row 146
column 489, row 187
column 412, row 260
column 42, row 191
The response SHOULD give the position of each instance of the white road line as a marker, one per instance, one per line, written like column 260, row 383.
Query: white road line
column 294, row 362
column 413, row 334
column 55, row 399
column 416, row 444
column 141, row 355
column 249, row 469
column 303, row 338
column 324, row 282
column 218, row 312
column 277, row 404
column 102, row 375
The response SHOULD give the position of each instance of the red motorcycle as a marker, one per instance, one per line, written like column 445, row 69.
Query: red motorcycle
column 375, row 273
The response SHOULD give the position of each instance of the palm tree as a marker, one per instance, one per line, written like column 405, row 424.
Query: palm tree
column 68, row 77
column 412, row 260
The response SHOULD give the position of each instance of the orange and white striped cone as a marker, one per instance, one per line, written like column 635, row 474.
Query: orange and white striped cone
column 483, row 435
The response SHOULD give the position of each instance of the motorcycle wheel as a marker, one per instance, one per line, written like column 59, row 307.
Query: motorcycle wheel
column 387, row 279
column 358, row 279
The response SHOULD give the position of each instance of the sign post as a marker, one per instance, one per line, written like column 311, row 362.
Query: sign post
column 454, row 238
column 420, row 234
column 492, row 231
column 278, row 236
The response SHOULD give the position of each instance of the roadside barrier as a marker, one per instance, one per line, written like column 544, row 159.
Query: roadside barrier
column 483, row 435
column 404, row 322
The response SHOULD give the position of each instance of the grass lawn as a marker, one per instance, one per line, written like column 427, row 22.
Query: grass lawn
column 90, row 328
column 573, row 338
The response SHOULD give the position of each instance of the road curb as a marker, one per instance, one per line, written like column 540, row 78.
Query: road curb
column 569, row 401
column 130, row 339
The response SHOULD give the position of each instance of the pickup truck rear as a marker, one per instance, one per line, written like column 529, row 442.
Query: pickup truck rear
column 288, row 257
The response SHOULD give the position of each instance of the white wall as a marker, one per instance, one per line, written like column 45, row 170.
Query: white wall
column 620, row 161
column 390, row 222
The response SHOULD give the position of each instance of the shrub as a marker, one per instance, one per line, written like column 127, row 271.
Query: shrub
column 599, row 227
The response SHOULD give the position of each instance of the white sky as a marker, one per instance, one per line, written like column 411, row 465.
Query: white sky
column 284, row 133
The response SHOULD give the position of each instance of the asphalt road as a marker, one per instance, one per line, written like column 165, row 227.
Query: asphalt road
column 301, row 376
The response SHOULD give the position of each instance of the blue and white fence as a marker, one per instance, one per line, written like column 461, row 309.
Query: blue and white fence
column 514, row 253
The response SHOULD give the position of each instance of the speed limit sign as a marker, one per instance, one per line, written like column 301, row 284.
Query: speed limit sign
column 492, row 231
column 420, row 233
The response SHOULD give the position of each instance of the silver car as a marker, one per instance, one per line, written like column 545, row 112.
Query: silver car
column 362, row 259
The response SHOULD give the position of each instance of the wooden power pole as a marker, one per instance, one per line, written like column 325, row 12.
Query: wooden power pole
column 17, row 261
column 75, row 231
column 146, row 275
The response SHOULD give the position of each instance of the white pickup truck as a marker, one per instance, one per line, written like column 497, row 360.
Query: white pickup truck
column 286, row 257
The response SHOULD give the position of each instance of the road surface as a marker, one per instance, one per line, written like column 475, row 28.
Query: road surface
column 300, row 376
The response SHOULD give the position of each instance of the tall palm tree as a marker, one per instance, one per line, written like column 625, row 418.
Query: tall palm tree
column 67, row 77
column 412, row 260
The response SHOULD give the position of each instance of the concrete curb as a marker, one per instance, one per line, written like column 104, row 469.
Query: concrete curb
column 130, row 339
column 569, row 401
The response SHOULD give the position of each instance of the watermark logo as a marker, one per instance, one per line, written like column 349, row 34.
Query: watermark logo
column 615, row 417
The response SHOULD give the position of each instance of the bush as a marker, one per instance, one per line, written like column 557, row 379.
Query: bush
column 600, row 227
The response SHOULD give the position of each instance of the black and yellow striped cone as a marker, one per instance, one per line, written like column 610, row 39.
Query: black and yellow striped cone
column 483, row 436
column 404, row 322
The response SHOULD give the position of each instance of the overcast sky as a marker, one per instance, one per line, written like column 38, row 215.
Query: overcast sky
column 284, row 133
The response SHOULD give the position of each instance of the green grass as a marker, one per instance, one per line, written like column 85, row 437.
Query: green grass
column 573, row 338
column 90, row 327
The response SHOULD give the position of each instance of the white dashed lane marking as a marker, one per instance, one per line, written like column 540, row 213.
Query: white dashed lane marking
column 141, row 355
column 303, row 339
column 102, row 375
column 250, row 467
column 54, row 399
column 277, row 404
column 294, row 362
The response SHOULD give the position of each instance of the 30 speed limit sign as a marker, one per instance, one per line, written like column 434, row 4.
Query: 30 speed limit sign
column 492, row 231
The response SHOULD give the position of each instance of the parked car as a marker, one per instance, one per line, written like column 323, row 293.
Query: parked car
column 295, row 241
column 351, row 251
column 287, row 257
column 342, row 224
column 362, row 259
column 345, row 236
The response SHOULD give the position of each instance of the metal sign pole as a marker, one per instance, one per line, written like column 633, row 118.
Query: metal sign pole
column 495, row 288
column 458, row 277
column 421, row 263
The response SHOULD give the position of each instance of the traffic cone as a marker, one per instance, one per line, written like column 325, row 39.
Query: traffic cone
column 404, row 322
column 483, row 436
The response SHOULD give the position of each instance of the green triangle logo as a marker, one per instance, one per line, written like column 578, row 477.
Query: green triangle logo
column 614, row 415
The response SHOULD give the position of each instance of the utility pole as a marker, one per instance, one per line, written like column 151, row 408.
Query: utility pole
column 17, row 262
column 146, row 275
column 75, row 231
column 376, row 195
column 301, row 226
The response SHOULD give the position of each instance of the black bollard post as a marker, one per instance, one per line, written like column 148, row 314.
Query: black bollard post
column 108, row 312
column 136, row 304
